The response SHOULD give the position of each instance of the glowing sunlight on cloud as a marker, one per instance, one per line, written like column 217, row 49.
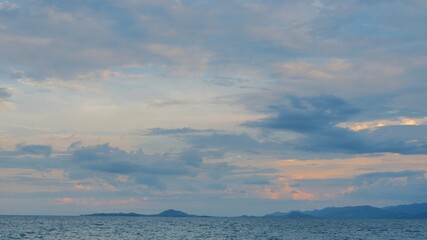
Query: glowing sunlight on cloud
column 283, row 190
column 372, row 125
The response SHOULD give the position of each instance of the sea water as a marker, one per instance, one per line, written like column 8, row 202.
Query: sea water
column 64, row 228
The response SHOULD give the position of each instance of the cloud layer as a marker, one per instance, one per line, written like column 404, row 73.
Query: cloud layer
column 214, row 107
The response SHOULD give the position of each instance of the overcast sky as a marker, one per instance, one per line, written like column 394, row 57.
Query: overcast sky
column 222, row 107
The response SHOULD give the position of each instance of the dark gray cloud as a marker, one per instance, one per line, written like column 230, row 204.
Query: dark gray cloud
column 167, row 171
column 185, row 170
column 34, row 149
column 399, row 139
column 316, row 119
column 228, row 142
column 192, row 157
column 105, row 163
column 219, row 170
column 4, row 93
column 390, row 139
column 107, row 159
column 307, row 114
column 407, row 186
column 257, row 180
column 382, row 187
column 370, row 178
column 33, row 157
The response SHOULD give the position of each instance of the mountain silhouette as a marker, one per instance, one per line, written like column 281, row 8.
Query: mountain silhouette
column 351, row 212
column 172, row 213
column 409, row 211
column 415, row 208
column 167, row 213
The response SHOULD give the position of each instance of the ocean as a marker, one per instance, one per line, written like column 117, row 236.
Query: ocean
column 123, row 228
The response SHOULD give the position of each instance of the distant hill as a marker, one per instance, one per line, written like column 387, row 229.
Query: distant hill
column 172, row 213
column 413, row 209
column 420, row 216
column 409, row 211
column 167, row 213
column 115, row 215
column 365, row 212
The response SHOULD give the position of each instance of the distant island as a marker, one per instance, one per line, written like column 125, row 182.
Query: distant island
column 167, row 213
column 410, row 211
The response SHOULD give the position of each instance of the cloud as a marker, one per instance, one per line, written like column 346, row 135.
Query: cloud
column 5, row 96
column 373, row 125
column 103, row 168
column 285, row 191
column 5, row 93
column 188, row 60
column 168, row 171
column 228, row 81
column 407, row 139
column 310, row 70
column 307, row 114
column 370, row 178
column 319, row 121
column 373, row 187
column 285, row 79
column 187, row 38
column 107, row 164
column 257, row 180
column 168, row 103
column 342, row 76
column 121, row 39
column 45, row 150
column 172, row 131
column 53, row 84
column 192, row 158
column 316, row 119
column 228, row 142
column 106, row 159
column 7, row 6
column 407, row 186
column 402, row 140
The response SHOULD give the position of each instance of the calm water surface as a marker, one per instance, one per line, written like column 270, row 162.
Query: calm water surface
column 64, row 228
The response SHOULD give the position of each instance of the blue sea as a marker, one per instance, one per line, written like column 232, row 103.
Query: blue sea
column 64, row 228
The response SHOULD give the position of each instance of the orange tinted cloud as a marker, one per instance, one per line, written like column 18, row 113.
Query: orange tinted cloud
column 270, row 193
column 287, row 192
column 66, row 200
column 299, row 195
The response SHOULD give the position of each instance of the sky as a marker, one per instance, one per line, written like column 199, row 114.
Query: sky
column 213, row 107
